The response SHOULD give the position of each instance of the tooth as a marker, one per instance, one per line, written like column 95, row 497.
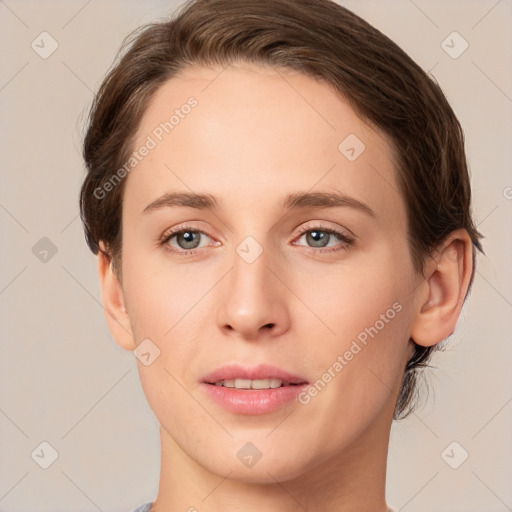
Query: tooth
column 260, row 384
column 275, row 383
column 242, row 383
column 252, row 384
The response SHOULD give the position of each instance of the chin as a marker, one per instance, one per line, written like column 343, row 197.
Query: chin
column 278, row 465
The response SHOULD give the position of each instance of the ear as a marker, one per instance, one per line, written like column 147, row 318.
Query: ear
column 441, row 295
column 113, row 302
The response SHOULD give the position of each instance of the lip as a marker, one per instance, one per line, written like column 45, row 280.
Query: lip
column 262, row 371
column 252, row 401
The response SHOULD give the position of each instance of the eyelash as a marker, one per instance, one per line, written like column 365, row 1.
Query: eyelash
column 344, row 238
column 166, row 237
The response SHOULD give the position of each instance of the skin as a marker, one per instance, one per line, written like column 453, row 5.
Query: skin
column 257, row 135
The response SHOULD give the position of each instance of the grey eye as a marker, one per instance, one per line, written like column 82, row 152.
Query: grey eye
column 188, row 239
column 317, row 238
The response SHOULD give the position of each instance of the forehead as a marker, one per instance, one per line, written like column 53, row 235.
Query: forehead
column 246, row 133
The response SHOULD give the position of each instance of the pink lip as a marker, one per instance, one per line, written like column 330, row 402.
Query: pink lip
column 262, row 371
column 252, row 401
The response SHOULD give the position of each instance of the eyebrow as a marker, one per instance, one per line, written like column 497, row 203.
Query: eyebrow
column 295, row 201
column 190, row 199
column 324, row 200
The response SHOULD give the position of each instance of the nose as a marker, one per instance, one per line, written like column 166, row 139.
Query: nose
column 253, row 299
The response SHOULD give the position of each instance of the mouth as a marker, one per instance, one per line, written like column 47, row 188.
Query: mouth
column 252, row 391
column 263, row 376
column 252, row 384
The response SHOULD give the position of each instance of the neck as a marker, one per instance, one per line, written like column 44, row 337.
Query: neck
column 351, row 480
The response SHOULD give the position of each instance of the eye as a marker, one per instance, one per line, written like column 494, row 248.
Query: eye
column 184, row 240
column 320, row 237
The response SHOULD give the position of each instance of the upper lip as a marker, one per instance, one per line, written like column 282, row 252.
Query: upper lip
column 262, row 371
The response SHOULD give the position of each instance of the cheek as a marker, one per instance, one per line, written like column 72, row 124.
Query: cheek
column 348, row 298
column 363, row 316
column 170, row 304
column 159, row 295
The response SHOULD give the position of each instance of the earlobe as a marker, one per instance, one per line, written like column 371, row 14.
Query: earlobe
column 114, row 305
column 440, row 297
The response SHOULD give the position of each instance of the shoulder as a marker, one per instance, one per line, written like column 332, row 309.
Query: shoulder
column 143, row 508
column 147, row 506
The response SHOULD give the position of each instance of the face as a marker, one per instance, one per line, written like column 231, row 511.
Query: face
column 293, row 267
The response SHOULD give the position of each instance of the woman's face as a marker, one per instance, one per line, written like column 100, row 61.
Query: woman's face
column 301, row 262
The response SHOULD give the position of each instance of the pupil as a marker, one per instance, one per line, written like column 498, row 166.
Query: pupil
column 188, row 238
column 321, row 240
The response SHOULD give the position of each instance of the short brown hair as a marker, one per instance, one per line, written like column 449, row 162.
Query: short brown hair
column 319, row 38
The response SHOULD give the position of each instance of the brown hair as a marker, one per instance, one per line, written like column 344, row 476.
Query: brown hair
column 318, row 38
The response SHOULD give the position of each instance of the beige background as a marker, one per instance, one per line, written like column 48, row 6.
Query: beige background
column 62, row 378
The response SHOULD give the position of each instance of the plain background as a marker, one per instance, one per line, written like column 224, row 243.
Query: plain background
column 63, row 380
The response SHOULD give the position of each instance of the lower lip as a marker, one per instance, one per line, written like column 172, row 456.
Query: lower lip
column 252, row 401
